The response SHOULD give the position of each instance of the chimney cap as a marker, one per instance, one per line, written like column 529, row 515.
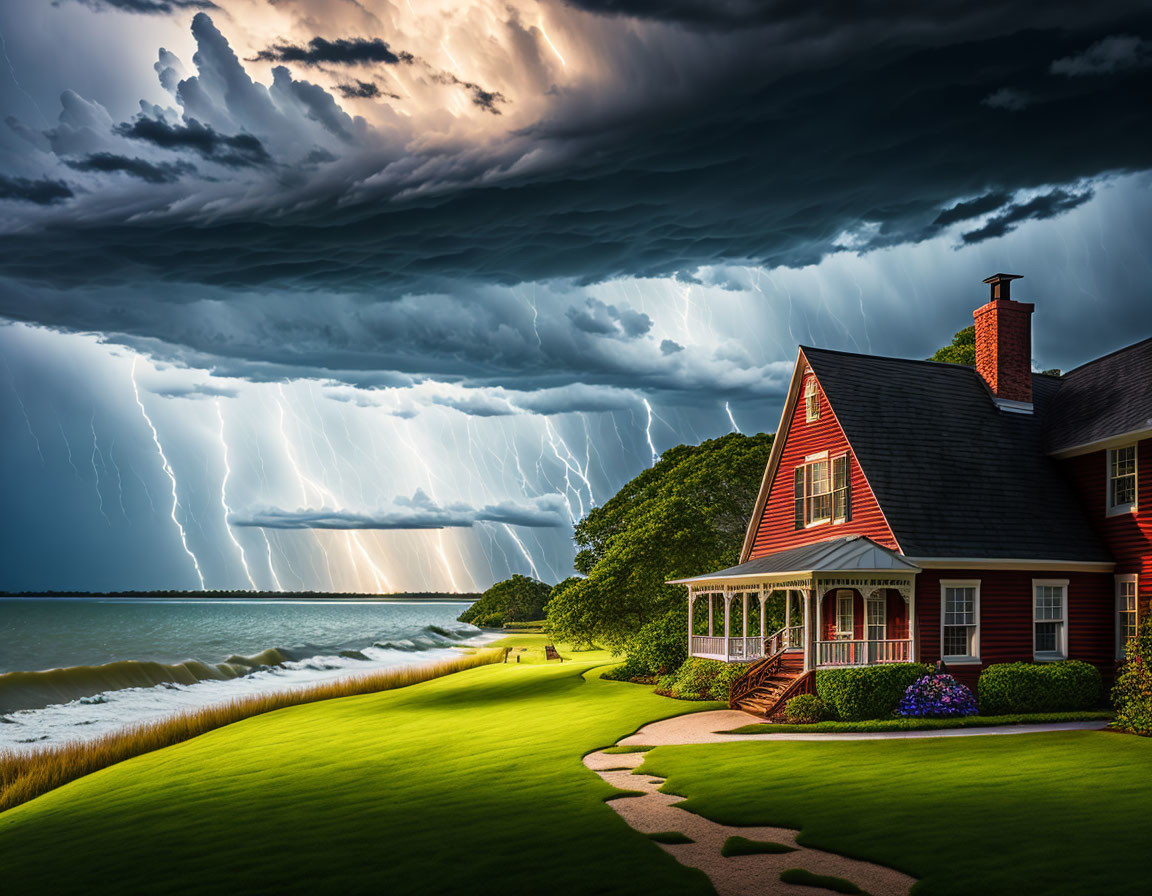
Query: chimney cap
column 1001, row 285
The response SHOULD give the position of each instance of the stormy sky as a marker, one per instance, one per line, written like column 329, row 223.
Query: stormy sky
column 375, row 295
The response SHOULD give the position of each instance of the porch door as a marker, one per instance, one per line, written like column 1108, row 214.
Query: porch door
column 876, row 618
column 845, row 615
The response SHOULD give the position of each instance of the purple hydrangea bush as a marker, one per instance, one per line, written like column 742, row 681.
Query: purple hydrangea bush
column 937, row 695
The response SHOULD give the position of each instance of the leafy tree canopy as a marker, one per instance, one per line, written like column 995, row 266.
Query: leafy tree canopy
column 518, row 599
column 961, row 351
column 684, row 516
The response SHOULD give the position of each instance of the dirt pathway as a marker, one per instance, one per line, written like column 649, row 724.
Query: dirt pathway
column 738, row 875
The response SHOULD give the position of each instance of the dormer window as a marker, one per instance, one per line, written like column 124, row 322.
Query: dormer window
column 811, row 400
column 1121, row 479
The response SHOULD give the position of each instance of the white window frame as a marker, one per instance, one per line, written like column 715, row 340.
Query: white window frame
column 811, row 399
column 846, row 594
column 810, row 494
column 1061, row 652
column 869, row 603
column 1121, row 609
column 945, row 584
column 1109, row 455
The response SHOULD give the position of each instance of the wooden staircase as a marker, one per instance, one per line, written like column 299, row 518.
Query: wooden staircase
column 768, row 685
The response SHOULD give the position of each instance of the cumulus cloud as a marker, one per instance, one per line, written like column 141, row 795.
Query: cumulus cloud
column 602, row 319
column 417, row 512
column 1113, row 54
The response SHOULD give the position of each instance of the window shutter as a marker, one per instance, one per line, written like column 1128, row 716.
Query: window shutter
column 842, row 488
column 798, row 496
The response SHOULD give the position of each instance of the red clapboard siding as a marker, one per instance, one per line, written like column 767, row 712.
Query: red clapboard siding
column 776, row 530
column 1006, row 616
column 1128, row 535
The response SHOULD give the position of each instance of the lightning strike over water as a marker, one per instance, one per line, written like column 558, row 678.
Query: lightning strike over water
column 92, row 458
column 224, row 498
column 168, row 472
column 271, row 565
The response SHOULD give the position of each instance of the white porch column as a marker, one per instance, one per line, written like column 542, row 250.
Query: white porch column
column 912, row 626
column 808, row 611
column 744, row 615
column 710, row 632
column 727, row 624
column 787, row 615
column 763, row 626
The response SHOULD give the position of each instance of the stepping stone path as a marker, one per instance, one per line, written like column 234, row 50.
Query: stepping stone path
column 657, row 812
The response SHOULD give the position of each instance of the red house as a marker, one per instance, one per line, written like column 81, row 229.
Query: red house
column 913, row 510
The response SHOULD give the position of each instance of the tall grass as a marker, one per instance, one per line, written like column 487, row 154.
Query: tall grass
column 25, row 774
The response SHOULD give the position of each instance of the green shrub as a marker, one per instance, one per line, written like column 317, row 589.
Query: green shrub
column 699, row 679
column 661, row 646
column 518, row 599
column 629, row 670
column 1068, row 685
column 805, row 709
column 1132, row 695
column 873, row 692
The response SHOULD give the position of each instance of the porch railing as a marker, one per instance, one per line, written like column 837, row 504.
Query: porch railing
column 730, row 649
column 863, row 653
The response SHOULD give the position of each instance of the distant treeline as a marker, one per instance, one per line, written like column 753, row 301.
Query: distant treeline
column 280, row 595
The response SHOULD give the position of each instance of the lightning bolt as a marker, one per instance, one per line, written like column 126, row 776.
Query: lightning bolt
column 224, row 498
column 648, row 432
column 732, row 419
column 168, row 472
column 119, row 479
column 548, row 40
column 24, row 411
column 271, row 567
column 92, row 457
column 67, row 446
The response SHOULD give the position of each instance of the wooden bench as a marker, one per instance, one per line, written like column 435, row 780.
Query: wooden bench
column 550, row 653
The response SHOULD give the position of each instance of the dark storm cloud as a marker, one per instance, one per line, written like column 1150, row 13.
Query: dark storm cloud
column 153, row 173
column 1046, row 206
column 601, row 319
column 147, row 7
column 37, row 192
column 365, row 90
column 1113, row 54
column 230, row 150
column 195, row 391
column 488, row 100
column 342, row 51
column 417, row 512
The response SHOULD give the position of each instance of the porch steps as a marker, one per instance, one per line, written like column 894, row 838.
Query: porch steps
column 768, row 685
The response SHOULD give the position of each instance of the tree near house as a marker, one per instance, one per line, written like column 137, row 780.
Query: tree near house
column 686, row 514
column 961, row 351
column 518, row 599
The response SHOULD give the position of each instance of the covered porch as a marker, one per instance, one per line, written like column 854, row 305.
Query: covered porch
column 844, row 602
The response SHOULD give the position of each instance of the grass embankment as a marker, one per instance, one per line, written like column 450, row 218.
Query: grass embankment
column 467, row 783
column 923, row 724
column 25, row 774
column 1061, row 813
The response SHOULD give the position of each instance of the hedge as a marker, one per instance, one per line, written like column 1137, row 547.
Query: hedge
column 1065, row 686
column 699, row 679
column 805, row 709
column 873, row 692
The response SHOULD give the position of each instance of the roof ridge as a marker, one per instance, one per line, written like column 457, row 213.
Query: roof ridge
column 1109, row 355
column 835, row 351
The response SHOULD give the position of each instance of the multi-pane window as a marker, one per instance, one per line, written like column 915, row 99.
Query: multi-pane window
column 1125, row 613
column 1049, row 619
column 960, row 631
column 845, row 617
column 841, row 509
column 876, row 618
column 1121, row 479
column 811, row 400
column 822, row 492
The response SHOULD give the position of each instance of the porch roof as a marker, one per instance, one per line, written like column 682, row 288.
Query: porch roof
column 850, row 554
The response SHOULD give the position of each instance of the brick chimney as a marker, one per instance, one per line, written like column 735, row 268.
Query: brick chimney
column 1004, row 342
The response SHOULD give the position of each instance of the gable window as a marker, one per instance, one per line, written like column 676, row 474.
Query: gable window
column 1121, row 479
column 1125, row 613
column 960, row 621
column 811, row 400
column 1050, row 618
column 821, row 491
column 845, row 616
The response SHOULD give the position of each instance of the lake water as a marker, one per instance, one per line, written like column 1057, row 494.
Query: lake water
column 76, row 667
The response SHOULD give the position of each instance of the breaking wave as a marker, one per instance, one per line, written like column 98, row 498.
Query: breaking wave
column 35, row 690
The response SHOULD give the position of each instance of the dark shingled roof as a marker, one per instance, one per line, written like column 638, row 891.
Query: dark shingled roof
column 1107, row 397
column 955, row 475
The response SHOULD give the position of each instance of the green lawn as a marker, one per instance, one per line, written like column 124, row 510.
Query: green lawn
column 1060, row 813
column 469, row 783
